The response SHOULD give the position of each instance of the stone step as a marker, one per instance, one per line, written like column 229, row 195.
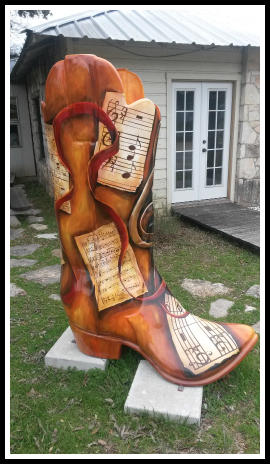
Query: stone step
column 65, row 354
column 151, row 393
column 18, row 199
column 12, row 178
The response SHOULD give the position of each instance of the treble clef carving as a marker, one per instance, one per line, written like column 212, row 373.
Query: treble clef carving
column 112, row 112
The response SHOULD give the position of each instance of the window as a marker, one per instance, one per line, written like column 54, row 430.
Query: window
column 14, row 136
column 13, row 108
column 14, row 126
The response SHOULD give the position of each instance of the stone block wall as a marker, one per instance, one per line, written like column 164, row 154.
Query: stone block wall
column 36, row 79
column 247, row 190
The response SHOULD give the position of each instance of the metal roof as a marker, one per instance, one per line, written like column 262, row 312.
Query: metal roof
column 12, row 63
column 164, row 26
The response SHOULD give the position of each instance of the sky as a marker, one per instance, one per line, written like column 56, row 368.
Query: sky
column 242, row 17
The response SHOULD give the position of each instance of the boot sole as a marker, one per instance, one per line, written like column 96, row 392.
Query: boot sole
column 108, row 347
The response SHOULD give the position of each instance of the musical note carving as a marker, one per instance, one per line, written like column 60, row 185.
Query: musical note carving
column 60, row 174
column 200, row 343
column 134, row 124
column 100, row 251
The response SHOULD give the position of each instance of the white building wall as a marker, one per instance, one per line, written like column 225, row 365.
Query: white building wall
column 152, row 71
column 22, row 158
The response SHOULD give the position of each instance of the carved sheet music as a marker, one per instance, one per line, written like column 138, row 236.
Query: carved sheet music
column 60, row 174
column 134, row 123
column 215, row 346
column 100, row 251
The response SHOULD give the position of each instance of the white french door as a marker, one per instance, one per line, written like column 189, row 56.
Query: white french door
column 201, row 138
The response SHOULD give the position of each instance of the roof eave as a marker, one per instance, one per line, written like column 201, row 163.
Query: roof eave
column 19, row 70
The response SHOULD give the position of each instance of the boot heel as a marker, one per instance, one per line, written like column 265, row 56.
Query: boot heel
column 96, row 345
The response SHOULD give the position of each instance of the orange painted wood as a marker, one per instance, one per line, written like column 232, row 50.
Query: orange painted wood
column 184, row 349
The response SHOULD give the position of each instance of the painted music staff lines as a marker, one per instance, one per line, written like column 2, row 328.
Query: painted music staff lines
column 60, row 175
column 100, row 251
column 134, row 124
column 199, row 343
column 130, row 116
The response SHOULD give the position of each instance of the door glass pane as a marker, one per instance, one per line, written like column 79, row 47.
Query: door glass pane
column 188, row 140
column 221, row 100
column 189, row 121
column 210, row 158
column 189, row 101
column 180, row 121
column 220, row 119
column 188, row 179
column 188, row 160
column 219, row 143
column 179, row 162
column 180, row 141
column 209, row 176
column 219, row 157
column 179, row 179
column 218, row 173
column 211, row 140
column 212, row 100
column 180, row 100
column 212, row 120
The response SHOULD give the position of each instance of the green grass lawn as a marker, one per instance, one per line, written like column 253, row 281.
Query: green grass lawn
column 72, row 412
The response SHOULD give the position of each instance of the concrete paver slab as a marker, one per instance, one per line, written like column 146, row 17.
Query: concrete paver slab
column 14, row 222
column 16, row 233
column 256, row 327
column 16, row 291
column 220, row 307
column 52, row 236
column 18, row 199
column 249, row 308
column 34, row 219
column 65, row 354
column 38, row 226
column 45, row 276
column 57, row 253
column 54, row 296
column 204, row 288
column 24, row 250
column 254, row 291
column 151, row 393
column 22, row 262
column 26, row 212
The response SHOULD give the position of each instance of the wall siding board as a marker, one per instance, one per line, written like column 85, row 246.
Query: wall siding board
column 160, row 164
column 160, row 174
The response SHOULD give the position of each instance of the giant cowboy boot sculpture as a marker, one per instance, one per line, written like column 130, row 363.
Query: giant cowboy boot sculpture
column 102, row 135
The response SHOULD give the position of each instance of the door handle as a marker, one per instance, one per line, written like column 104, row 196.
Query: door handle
column 204, row 150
